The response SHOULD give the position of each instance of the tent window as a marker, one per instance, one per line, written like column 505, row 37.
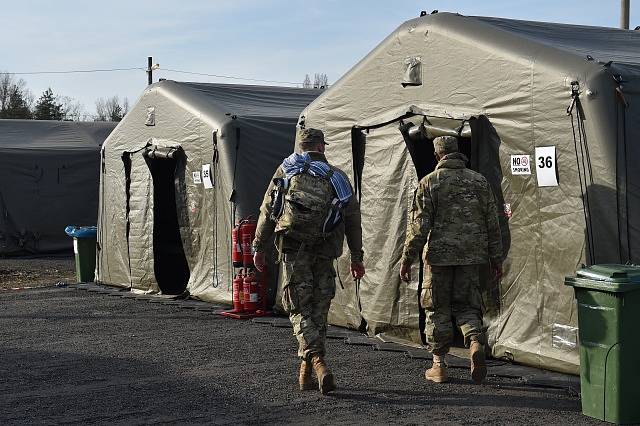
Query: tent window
column 412, row 71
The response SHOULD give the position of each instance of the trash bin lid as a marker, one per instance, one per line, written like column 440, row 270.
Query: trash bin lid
column 612, row 277
column 81, row 231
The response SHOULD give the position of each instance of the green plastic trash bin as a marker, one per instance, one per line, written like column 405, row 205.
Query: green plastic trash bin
column 84, row 247
column 608, row 319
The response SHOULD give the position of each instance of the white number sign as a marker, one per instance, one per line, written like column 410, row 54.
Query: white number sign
column 546, row 166
column 207, row 179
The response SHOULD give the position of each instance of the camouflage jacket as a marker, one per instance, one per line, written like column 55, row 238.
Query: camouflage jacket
column 330, row 247
column 454, row 217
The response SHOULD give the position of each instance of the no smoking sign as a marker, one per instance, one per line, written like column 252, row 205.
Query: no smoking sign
column 520, row 164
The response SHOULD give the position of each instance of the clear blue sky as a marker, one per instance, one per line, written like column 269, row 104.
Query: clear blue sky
column 263, row 39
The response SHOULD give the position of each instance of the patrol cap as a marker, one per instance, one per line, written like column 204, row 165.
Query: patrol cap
column 310, row 136
column 445, row 144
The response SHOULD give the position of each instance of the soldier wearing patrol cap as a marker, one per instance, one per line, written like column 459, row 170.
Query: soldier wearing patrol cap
column 454, row 225
column 308, row 272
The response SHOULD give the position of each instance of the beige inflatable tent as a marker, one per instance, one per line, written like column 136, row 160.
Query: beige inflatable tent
column 547, row 112
column 185, row 163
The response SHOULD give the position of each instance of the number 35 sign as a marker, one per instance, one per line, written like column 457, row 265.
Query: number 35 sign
column 545, row 161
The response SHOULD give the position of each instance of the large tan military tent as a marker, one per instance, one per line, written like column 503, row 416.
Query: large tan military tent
column 49, row 173
column 547, row 112
column 185, row 163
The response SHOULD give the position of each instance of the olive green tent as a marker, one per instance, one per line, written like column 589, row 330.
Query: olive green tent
column 546, row 112
column 49, row 173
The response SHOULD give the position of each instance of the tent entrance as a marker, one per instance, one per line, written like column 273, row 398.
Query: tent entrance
column 477, row 140
column 170, row 263
column 419, row 141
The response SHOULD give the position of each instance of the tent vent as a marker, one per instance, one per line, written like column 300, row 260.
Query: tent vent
column 412, row 71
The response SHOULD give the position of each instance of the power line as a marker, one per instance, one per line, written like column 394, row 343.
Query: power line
column 77, row 71
column 159, row 69
column 229, row 77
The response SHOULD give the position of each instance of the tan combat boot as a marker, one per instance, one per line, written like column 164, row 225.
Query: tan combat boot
column 305, row 379
column 478, row 364
column 326, row 382
column 438, row 371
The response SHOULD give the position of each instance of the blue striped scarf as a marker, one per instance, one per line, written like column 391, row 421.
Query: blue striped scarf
column 301, row 163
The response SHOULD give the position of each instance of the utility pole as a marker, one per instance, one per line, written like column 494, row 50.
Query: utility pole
column 150, row 66
column 624, row 14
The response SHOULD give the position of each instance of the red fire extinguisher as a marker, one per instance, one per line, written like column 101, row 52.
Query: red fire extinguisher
column 236, row 249
column 250, row 290
column 248, row 232
column 238, row 292
column 262, row 290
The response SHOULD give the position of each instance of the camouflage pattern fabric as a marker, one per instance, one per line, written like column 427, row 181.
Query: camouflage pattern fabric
column 308, row 137
column 331, row 246
column 309, row 286
column 452, row 291
column 306, row 205
column 453, row 217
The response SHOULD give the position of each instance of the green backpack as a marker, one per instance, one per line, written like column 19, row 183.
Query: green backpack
column 305, row 208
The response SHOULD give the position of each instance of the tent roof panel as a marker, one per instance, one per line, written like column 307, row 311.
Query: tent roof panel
column 602, row 43
column 242, row 100
column 53, row 135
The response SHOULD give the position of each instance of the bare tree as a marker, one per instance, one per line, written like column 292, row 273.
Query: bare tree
column 110, row 109
column 320, row 81
column 307, row 82
column 72, row 109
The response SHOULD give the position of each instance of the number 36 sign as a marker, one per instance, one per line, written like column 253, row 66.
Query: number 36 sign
column 545, row 161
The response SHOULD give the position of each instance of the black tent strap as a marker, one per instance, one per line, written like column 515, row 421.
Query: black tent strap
column 410, row 114
column 583, row 185
column 621, row 144
column 214, row 162
column 626, row 180
column 232, row 198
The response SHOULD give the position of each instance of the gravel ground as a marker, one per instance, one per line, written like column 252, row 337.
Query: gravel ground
column 36, row 272
column 71, row 356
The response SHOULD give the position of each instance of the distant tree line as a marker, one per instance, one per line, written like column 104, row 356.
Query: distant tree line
column 320, row 81
column 17, row 101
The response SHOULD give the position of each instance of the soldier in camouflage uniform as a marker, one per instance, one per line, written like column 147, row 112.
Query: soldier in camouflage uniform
column 454, row 224
column 309, row 275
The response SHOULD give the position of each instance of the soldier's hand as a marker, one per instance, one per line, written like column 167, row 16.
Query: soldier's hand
column 405, row 272
column 497, row 270
column 259, row 261
column 357, row 270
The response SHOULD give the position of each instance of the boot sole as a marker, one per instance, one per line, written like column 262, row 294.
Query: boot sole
column 310, row 386
column 437, row 379
column 478, row 367
column 327, row 384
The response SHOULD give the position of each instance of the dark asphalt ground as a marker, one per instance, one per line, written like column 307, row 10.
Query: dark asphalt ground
column 76, row 357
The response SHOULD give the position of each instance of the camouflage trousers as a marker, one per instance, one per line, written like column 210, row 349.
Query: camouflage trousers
column 451, row 293
column 309, row 286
